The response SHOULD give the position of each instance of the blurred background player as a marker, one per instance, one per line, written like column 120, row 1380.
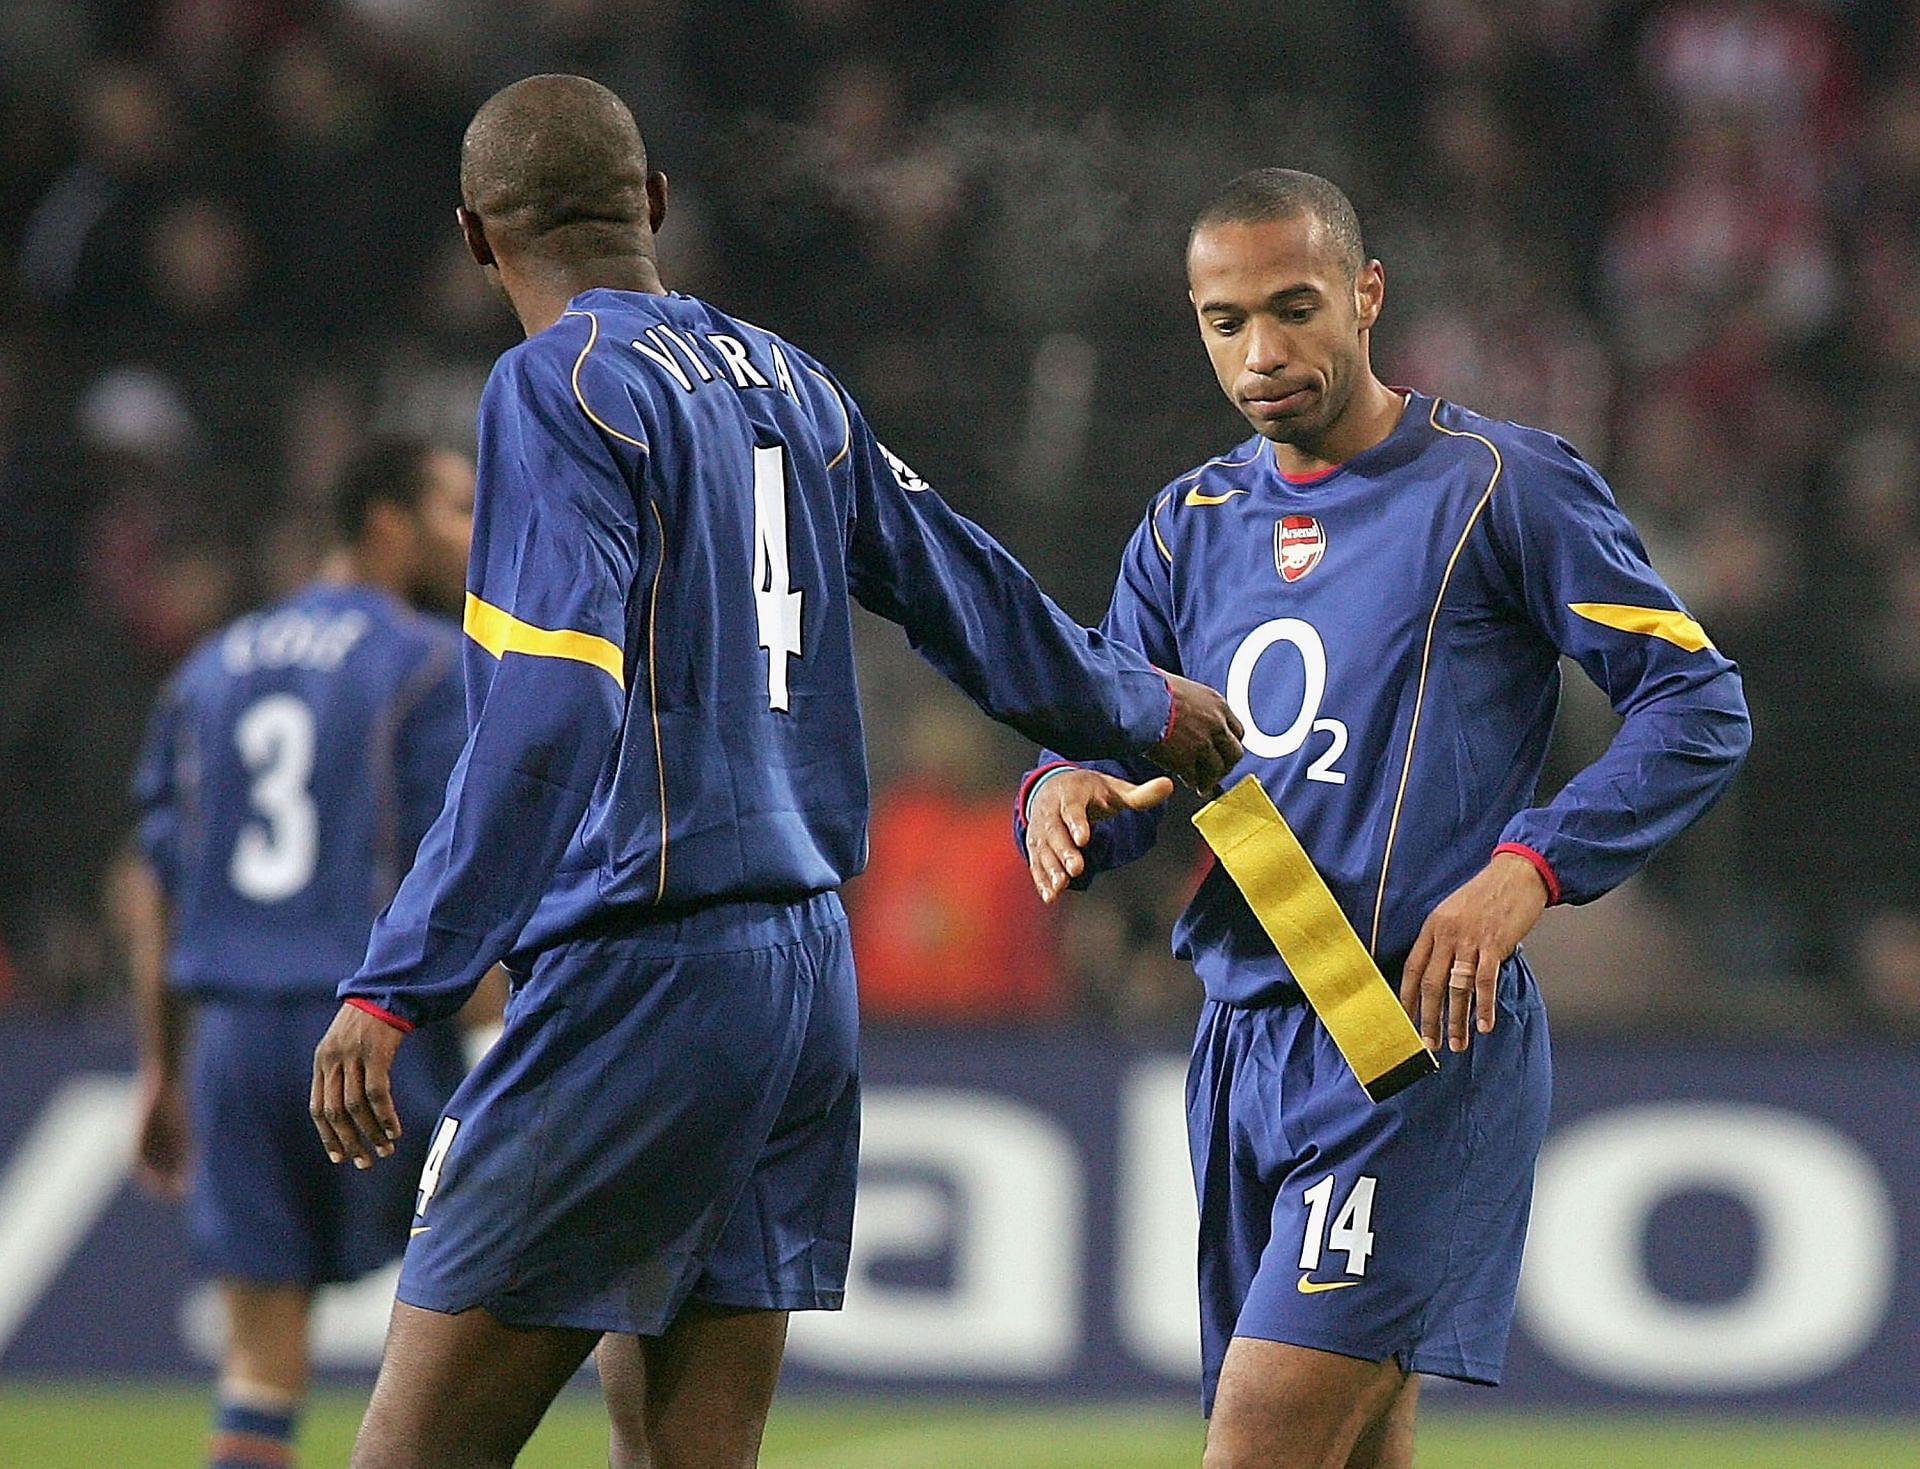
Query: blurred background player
column 1384, row 583
column 290, row 768
column 663, row 789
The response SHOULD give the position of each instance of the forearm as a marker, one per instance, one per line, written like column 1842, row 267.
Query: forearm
column 514, row 804
column 160, row 1011
column 1058, row 684
column 1669, row 762
column 976, row 615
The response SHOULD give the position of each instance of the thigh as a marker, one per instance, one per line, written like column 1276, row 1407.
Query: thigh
column 371, row 1209
column 1395, row 1229
column 259, row 1198
column 1239, row 1139
column 785, row 1245
column 1281, row 1406
column 462, row 1391
column 696, row 1395
column 584, row 1170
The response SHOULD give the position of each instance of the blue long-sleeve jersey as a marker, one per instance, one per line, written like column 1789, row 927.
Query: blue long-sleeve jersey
column 673, row 511
column 291, row 766
column 1389, row 632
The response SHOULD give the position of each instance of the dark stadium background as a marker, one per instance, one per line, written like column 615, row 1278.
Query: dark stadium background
column 1684, row 235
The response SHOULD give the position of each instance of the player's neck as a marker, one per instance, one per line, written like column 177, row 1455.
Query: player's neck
column 540, row 292
column 1370, row 415
column 348, row 566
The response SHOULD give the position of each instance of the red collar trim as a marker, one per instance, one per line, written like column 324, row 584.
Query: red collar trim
column 1309, row 479
column 1333, row 469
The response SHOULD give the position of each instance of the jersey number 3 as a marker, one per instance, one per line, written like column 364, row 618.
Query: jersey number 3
column 274, row 856
column 775, row 599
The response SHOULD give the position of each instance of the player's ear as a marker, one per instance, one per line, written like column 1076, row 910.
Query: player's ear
column 656, row 201
column 1369, row 292
column 475, row 234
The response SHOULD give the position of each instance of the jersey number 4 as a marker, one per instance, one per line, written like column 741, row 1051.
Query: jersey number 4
column 274, row 856
column 775, row 599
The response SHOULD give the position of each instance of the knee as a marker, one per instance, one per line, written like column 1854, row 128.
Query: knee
column 1227, row 1449
column 627, row 1449
column 1224, row 1455
column 1272, row 1447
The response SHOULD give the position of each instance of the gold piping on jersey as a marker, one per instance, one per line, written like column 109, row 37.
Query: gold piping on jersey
column 1656, row 622
column 1426, row 656
column 653, row 696
column 1325, row 956
column 1153, row 526
column 593, row 335
column 844, row 448
column 501, row 633
column 1222, row 462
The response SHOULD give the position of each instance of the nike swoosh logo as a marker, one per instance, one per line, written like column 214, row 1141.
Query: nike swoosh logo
column 1314, row 1287
column 418, row 1229
column 1194, row 497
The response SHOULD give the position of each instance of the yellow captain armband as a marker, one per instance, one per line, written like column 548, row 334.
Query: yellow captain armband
column 1332, row 967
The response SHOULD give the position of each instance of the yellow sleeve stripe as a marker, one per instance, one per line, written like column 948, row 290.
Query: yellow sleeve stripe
column 1656, row 622
column 1154, row 525
column 593, row 335
column 501, row 633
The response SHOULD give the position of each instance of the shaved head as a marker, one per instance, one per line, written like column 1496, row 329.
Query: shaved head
column 555, row 165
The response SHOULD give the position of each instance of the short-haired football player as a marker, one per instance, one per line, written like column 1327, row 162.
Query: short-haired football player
column 1383, row 583
column 291, row 767
column 664, row 787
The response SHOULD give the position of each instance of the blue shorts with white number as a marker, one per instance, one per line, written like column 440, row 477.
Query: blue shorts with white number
column 671, row 1113
column 263, row 1202
column 1375, row 1231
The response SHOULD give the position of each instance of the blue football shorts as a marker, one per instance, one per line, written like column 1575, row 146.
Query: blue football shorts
column 264, row 1203
column 671, row 1113
column 1375, row 1231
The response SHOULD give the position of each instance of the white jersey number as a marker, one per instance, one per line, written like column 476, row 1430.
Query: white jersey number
column 1313, row 663
column 274, row 857
column 436, row 1160
column 1352, row 1232
column 777, row 602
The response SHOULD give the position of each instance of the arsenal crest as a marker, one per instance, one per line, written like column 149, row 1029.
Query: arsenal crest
column 1298, row 545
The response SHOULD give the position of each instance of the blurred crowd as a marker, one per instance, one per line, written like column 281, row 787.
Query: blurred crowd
column 1685, row 235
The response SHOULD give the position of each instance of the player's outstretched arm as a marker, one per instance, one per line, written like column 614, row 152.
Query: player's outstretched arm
column 973, row 612
column 162, row 1138
column 1061, row 814
column 1202, row 742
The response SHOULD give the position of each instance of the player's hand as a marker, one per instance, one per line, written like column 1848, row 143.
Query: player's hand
column 1454, row 968
column 1204, row 742
column 160, row 1143
column 352, row 1100
column 1060, row 819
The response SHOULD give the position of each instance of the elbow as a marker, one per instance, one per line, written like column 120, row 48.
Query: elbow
column 1740, row 738
column 1737, row 722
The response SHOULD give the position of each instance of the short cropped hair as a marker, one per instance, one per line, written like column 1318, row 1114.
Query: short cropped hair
column 390, row 469
column 1262, row 194
column 556, row 161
